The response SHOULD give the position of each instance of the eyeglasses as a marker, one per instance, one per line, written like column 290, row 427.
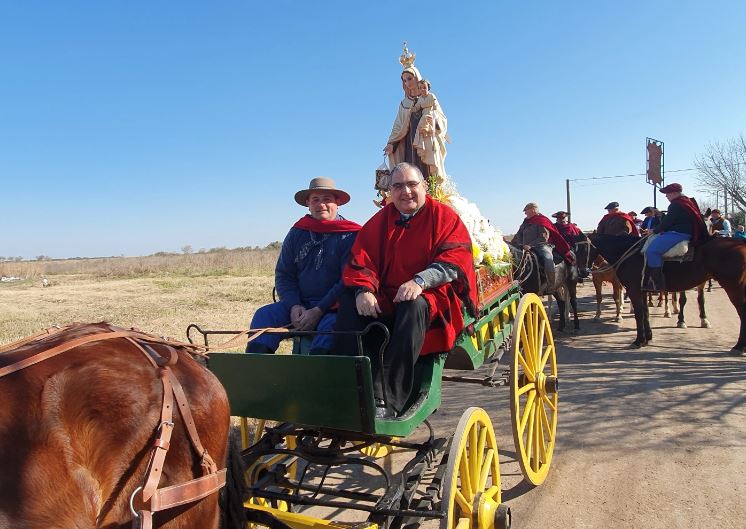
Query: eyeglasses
column 399, row 186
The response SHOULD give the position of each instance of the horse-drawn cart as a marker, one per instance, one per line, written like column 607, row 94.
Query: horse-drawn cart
column 325, row 413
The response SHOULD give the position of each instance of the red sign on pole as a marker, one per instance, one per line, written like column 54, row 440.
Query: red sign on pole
column 654, row 172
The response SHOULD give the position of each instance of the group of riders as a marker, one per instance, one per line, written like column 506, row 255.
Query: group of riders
column 410, row 268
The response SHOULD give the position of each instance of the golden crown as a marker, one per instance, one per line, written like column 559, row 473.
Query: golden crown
column 407, row 58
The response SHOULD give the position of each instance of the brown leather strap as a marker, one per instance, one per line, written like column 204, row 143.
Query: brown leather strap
column 51, row 331
column 207, row 463
column 162, row 440
column 192, row 490
column 54, row 351
column 237, row 340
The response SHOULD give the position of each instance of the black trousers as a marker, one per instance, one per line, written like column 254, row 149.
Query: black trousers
column 407, row 327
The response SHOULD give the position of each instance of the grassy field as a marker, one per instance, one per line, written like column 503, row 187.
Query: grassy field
column 157, row 294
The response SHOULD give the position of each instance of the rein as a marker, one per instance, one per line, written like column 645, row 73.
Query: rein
column 626, row 255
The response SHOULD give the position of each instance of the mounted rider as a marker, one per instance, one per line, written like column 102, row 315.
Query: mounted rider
column 682, row 223
column 538, row 234
column 616, row 222
column 567, row 229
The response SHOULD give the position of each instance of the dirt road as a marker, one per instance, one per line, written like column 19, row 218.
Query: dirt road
column 652, row 438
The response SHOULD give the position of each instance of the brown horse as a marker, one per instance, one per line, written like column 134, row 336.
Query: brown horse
column 719, row 258
column 603, row 273
column 82, row 431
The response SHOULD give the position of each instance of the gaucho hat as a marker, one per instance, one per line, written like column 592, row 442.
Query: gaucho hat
column 672, row 188
column 322, row 184
column 646, row 209
column 612, row 205
column 560, row 215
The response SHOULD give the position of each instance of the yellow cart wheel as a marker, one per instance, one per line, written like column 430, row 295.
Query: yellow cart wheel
column 533, row 389
column 471, row 484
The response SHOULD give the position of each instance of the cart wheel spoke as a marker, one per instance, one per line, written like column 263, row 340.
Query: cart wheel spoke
column 472, row 471
column 533, row 374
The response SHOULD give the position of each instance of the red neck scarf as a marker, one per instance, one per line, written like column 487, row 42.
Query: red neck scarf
column 555, row 237
column 690, row 206
column 309, row 223
column 567, row 229
column 626, row 217
column 388, row 253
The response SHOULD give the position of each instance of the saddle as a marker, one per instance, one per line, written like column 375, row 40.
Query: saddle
column 680, row 252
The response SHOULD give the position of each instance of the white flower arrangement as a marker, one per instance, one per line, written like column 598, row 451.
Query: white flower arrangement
column 488, row 247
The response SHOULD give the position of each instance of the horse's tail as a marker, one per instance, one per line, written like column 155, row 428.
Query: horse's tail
column 233, row 494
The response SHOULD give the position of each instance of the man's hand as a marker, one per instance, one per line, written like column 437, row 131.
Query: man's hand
column 408, row 291
column 367, row 304
column 295, row 314
column 309, row 319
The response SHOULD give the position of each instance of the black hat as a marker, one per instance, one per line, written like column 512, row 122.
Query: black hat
column 647, row 209
column 560, row 215
column 612, row 205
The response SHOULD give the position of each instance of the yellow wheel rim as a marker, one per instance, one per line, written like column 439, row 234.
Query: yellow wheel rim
column 533, row 389
column 471, row 486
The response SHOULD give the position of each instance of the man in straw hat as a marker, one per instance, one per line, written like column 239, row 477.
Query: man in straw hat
column 411, row 269
column 308, row 271
column 538, row 234
column 682, row 223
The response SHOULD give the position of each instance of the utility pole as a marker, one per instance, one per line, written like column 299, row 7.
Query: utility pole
column 725, row 202
column 567, row 189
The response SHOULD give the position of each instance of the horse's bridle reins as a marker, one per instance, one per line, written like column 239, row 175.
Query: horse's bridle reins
column 626, row 255
column 148, row 498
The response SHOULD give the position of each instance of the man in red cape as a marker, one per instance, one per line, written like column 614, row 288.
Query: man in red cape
column 616, row 222
column 567, row 229
column 538, row 234
column 308, row 271
column 410, row 268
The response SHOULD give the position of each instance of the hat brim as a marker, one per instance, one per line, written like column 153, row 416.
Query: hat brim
column 301, row 197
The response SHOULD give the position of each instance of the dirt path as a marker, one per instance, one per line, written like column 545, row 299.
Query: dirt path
column 652, row 438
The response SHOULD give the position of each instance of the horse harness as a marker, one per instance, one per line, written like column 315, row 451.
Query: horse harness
column 151, row 499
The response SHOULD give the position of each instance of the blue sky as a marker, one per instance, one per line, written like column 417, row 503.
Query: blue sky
column 128, row 128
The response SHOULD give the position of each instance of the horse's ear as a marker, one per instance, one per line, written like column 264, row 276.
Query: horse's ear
column 708, row 212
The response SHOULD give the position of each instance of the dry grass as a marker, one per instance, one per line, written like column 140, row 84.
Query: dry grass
column 241, row 262
column 162, row 305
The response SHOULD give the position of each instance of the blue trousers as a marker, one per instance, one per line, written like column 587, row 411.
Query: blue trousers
column 276, row 315
column 662, row 243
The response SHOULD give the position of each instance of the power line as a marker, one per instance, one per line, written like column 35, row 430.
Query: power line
column 629, row 175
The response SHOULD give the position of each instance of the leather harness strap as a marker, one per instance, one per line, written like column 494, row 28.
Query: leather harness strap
column 151, row 498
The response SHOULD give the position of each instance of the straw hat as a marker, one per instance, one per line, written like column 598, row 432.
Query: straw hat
column 322, row 184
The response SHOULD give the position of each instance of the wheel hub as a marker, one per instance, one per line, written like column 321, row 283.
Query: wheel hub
column 489, row 513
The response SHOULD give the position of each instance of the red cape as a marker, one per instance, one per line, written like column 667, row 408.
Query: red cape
column 699, row 229
column 309, row 223
column 555, row 237
column 626, row 217
column 567, row 230
column 386, row 255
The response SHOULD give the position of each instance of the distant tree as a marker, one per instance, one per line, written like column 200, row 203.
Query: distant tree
column 17, row 259
column 187, row 249
column 276, row 245
column 201, row 250
column 218, row 249
column 722, row 167
column 43, row 258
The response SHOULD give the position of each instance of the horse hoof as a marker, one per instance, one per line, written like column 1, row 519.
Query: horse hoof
column 617, row 319
column 681, row 325
column 736, row 352
column 637, row 345
column 651, row 304
column 596, row 320
column 705, row 324
column 675, row 311
column 666, row 315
